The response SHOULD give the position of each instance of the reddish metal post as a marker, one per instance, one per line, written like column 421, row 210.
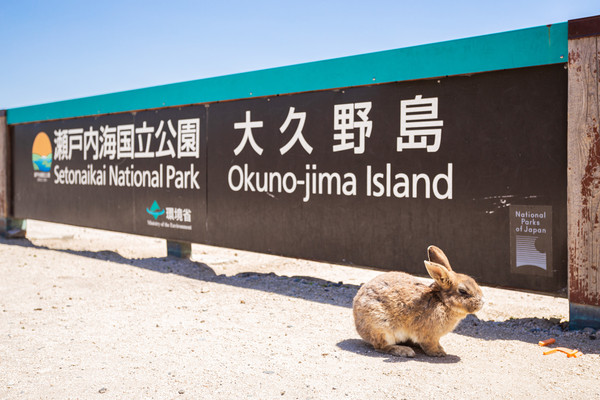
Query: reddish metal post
column 583, row 188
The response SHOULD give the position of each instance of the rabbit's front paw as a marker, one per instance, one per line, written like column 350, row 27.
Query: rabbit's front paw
column 397, row 350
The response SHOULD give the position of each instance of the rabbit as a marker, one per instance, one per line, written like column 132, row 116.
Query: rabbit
column 395, row 308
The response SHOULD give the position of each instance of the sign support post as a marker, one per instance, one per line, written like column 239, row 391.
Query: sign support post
column 179, row 249
column 583, row 173
column 9, row 227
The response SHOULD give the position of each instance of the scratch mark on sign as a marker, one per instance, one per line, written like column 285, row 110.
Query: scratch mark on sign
column 492, row 204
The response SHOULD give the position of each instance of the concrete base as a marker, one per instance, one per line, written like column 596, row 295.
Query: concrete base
column 179, row 249
column 583, row 316
column 12, row 228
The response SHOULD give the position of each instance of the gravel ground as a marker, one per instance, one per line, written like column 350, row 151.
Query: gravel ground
column 88, row 314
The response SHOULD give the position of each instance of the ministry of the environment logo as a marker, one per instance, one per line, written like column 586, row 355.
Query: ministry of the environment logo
column 41, row 156
column 155, row 210
column 171, row 217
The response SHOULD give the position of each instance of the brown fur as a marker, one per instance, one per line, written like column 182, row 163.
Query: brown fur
column 395, row 308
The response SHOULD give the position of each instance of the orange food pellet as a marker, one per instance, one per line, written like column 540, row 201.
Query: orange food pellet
column 546, row 342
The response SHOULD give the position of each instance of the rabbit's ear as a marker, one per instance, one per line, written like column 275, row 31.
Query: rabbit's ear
column 436, row 255
column 440, row 274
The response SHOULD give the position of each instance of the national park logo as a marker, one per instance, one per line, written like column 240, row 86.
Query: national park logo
column 41, row 156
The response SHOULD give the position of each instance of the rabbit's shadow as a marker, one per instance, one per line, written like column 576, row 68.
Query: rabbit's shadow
column 360, row 347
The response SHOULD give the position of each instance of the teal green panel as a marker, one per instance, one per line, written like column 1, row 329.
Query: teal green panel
column 515, row 49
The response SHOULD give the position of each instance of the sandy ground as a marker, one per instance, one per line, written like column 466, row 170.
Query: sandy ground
column 88, row 314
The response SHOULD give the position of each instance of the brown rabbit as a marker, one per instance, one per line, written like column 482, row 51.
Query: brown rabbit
column 396, row 308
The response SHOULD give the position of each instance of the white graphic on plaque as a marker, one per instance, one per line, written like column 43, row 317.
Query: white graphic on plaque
column 527, row 254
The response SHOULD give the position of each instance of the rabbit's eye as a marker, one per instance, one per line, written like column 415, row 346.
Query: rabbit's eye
column 463, row 291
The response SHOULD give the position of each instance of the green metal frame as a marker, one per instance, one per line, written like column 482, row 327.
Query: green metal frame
column 514, row 49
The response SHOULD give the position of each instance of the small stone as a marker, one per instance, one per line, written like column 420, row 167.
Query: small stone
column 102, row 390
column 589, row 331
column 181, row 391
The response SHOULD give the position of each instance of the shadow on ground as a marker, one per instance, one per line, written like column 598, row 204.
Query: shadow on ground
column 360, row 347
column 529, row 330
column 303, row 287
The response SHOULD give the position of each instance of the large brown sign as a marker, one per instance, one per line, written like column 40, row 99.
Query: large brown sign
column 367, row 176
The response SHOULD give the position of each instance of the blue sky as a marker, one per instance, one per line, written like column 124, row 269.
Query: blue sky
column 57, row 50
